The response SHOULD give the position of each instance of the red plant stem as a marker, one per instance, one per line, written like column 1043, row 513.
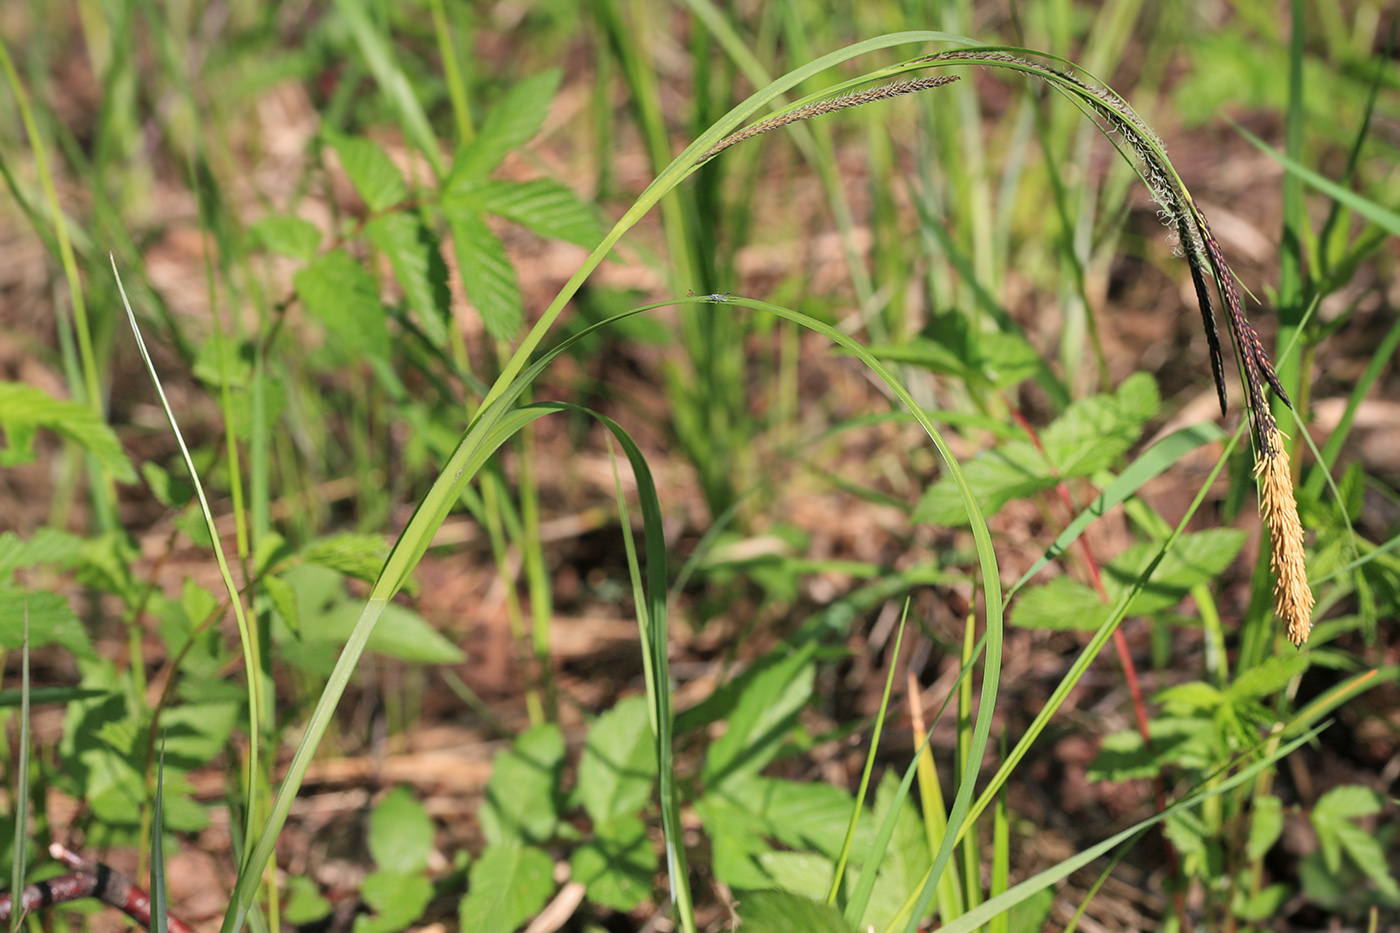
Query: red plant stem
column 88, row 879
column 1120, row 641
column 1125, row 657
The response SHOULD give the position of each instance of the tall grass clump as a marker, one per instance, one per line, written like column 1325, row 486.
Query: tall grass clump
column 611, row 798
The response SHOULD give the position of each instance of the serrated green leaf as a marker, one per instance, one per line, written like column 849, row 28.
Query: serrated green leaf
column 400, row 833
column 1262, row 906
column 1268, row 677
column 24, row 409
column 1013, row 470
column 905, row 861
column 802, row 815
column 416, row 257
column 376, row 178
column 546, row 207
column 766, row 711
column 327, row 616
column 194, row 733
column 1189, row 698
column 1186, row 742
column 523, row 795
column 781, row 912
column 287, row 236
column 397, row 898
column 355, row 555
column 509, row 124
column 1265, row 826
column 509, row 884
column 170, row 491
column 804, row 873
column 1088, row 437
column 304, row 904
column 618, row 769
column 46, row 546
column 487, row 274
column 1096, row 431
column 284, row 600
column 1059, row 605
column 343, row 296
column 1346, row 802
column 618, row 865
column 735, row 843
column 51, row 622
column 1195, row 558
column 1187, row 832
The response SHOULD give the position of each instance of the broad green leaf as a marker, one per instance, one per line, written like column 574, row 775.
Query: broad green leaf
column 304, row 904
column 1332, row 819
column 1059, row 605
column 1265, row 826
column 1088, row 437
column 284, row 600
column 1268, row 677
column 1065, row 604
column 1186, row 742
column 509, row 124
column 523, row 796
column 1189, row 698
column 546, row 207
column 996, row 360
column 24, row 409
column 765, row 713
column 51, row 622
column 487, row 274
column 802, row 815
column 617, row 865
column 47, row 546
column 1263, row 906
column 781, row 912
column 287, row 236
column 804, row 873
column 376, row 178
column 194, row 733
column 1014, row 470
column 327, row 615
column 618, row 769
column 1196, row 558
column 736, row 843
column 905, row 861
column 1096, row 431
column 416, row 257
column 397, row 899
column 1030, row 915
column 343, row 296
column 509, row 884
column 400, row 833
column 355, row 555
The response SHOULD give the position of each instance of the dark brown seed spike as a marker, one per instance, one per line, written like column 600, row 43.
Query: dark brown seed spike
column 1198, row 278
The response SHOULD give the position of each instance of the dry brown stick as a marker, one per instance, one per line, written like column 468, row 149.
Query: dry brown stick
column 88, row 879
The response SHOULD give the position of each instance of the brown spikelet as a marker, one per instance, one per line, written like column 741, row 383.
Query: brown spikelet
column 1293, row 598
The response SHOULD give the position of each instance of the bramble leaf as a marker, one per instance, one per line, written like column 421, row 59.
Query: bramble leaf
column 375, row 176
column 342, row 294
column 24, row 409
